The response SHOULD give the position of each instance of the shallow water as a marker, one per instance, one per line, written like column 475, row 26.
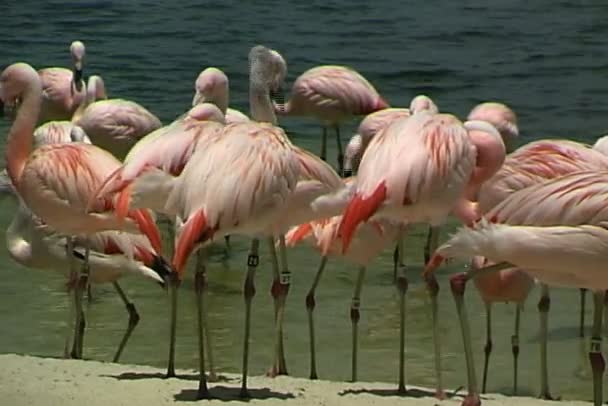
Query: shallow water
column 547, row 60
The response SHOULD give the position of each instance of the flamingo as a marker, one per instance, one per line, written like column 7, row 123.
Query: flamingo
column 421, row 169
column 249, row 171
column 211, row 86
column 530, row 164
column 548, row 231
column 33, row 245
column 369, row 241
column 56, row 181
column 332, row 94
column 114, row 124
column 63, row 90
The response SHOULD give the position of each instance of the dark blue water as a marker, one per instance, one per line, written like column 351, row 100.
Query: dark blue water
column 548, row 60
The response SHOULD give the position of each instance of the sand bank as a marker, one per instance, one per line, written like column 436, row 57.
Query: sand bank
column 26, row 380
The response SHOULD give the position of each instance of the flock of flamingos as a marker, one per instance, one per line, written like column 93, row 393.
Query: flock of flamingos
column 537, row 214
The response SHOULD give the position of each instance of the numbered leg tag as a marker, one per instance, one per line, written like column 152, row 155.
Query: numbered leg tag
column 356, row 304
column 253, row 260
column 596, row 345
column 285, row 278
column 515, row 341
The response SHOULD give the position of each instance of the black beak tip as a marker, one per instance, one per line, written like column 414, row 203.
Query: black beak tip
column 347, row 173
column 1, row 109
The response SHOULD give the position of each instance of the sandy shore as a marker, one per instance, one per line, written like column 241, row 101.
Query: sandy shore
column 26, row 380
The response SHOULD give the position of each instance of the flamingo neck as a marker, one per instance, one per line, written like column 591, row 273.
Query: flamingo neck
column 95, row 90
column 260, row 104
column 20, row 136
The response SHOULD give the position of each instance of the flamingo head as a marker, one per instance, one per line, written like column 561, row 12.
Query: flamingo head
column 267, row 68
column 77, row 51
column 211, row 86
column 423, row 103
column 15, row 80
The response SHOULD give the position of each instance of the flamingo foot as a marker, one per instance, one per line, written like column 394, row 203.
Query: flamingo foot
column 440, row 394
column 547, row 396
column 471, row 400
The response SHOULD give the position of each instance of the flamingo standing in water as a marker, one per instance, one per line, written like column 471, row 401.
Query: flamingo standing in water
column 33, row 245
column 421, row 169
column 256, row 175
column 63, row 90
column 530, row 164
column 369, row 241
column 56, row 181
column 555, row 232
column 212, row 86
column 114, row 124
column 332, row 94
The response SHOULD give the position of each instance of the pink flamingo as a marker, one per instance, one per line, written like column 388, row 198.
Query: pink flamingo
column 114, row 124
column 369, row 241
column 404, row 176
column 534, row 163
column 243, row 195
column 113, row 255
column 63, row 90
column 211, row 86
column 548, row 231
column 370, row 126
column 57, row 180
column 332, row 94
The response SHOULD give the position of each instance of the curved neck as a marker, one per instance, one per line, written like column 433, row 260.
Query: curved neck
column 260, row 104
column 20, row 136
column 95, row 90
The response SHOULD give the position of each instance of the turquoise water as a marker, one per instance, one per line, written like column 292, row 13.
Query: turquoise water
column 547, row 60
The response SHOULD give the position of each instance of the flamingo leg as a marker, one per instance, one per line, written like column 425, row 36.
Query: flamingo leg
column 488, row 347
column 200, row 282
column 73, row 278
column 279, row 291
column 323, row 155
column 432, row 241
column 583, row 292
column 515, row 345
column 543, row 307
column 285, row 282
column 83, row 280
column 173, row 283
column 354, row 318
column 249, row 292
column 133, row 320
column 310, row 307
column 606, row 313
column 395, row 263
column 89, row 294
column 201, row 258
column 596, row 358
column 340, row 153
column 458, row 285
column 228, row 246
column 171, row 234
column 402, row 285
column 433, row 289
